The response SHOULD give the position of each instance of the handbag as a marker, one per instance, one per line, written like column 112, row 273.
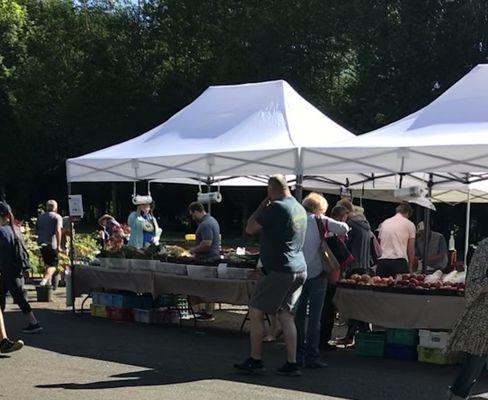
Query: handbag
column 329, row 261
column 340, row 250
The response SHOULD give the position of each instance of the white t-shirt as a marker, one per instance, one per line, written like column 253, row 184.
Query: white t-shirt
column 394, row 235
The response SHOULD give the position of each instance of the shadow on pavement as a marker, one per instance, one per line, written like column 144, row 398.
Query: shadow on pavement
column 173, row 354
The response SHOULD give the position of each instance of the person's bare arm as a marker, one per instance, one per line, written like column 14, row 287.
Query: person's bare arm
column 58, row 238
column 201, row 247
column 252, row 226
column 411, row 253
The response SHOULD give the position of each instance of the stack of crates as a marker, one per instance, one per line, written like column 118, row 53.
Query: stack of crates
column 401, row 344
column 144, row 316
column 168, row 309
column 118, row 307
column 432, row 346
column 100, row 301
column 370, row 344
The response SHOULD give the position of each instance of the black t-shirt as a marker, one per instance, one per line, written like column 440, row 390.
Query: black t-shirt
column 284, row 225
column 7, row 247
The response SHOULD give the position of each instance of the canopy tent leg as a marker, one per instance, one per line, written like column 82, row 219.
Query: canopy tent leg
column 299, row 188
column 425, row 252
column 467, row 232
column 71, row 256
column 209, row 189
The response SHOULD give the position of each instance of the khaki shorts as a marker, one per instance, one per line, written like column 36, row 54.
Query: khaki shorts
column 277, row 291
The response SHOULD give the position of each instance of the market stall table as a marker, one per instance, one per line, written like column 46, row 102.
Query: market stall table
column 209, row 290
column 398, row 310
column 89, row 278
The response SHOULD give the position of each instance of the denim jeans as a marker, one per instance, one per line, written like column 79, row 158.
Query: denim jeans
column 308, row 329
column 469, row 374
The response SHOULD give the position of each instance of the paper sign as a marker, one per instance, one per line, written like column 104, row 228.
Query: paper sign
column 75, row 202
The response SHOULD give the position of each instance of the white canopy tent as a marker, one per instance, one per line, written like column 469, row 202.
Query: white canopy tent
column 378, row 187
column 447, row 138
column 382, row 187
column 234, row 130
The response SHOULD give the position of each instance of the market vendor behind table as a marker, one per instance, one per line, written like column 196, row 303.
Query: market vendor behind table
column 437, row 249
column 207, row 234
column 144, row 227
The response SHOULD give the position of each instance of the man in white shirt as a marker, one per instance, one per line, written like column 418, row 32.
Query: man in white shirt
column 397, row 241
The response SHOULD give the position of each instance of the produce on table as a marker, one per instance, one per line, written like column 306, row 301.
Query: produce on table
column 454, row 281
column 177, row 254
column 177, row 251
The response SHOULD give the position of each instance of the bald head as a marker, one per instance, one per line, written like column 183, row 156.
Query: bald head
column 278, row 187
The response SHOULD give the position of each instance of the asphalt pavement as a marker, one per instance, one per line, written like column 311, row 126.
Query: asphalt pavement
column 82, row 357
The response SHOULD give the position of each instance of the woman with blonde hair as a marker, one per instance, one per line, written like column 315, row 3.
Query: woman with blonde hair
column 314, row 289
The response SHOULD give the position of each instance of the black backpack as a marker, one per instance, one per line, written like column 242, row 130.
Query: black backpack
column 21, row 255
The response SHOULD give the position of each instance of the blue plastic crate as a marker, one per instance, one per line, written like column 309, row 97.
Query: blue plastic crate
column 118, row 301
column 97, row 298
column 401, row 352
column 145, row 301
column 131, row 301
column 107, row 299
column 405, row 337
column 102, row 299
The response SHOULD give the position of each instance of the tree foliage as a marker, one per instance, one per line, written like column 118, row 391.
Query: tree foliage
column 79, row 76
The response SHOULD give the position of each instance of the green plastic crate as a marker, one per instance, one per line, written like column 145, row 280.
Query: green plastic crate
column 371, row 344
column 407, row 337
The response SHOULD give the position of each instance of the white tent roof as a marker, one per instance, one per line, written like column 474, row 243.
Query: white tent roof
column 229, row 130
column 450, row 135
column 381, row 188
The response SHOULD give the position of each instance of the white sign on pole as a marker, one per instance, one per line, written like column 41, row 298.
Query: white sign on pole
column 75, row 202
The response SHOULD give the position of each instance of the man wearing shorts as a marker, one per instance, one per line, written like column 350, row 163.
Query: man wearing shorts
column 49, row 227
column 282, row 222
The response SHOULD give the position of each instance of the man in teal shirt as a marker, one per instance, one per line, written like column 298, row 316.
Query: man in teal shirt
column 282, row 223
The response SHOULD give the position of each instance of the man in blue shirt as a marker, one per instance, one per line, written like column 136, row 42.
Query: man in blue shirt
column 207, row 247
column 282, row 223
column 207, row 234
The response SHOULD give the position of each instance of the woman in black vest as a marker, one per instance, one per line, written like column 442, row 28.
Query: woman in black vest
column 11, row 275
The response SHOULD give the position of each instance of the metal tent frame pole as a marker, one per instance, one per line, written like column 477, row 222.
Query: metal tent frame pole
column 299, row 176
column 467, row 232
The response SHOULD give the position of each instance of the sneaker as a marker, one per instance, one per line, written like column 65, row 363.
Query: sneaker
column 269, row 339
column 345, row 342
column 289, row 369
column 328, row 347
column 205, row 317
column 32, row 328
column 316, row 364
column 251, row 366
column 9, row 346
